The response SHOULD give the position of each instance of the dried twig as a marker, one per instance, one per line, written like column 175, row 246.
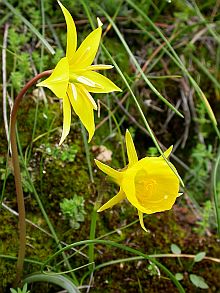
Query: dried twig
column 4, row 82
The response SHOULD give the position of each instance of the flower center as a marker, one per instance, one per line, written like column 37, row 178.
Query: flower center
column 145, row 187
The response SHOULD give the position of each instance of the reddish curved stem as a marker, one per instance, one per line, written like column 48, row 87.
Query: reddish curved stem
column 17, row 174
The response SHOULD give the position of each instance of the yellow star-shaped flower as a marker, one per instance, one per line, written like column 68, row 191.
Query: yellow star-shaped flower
column 149, row 184
column 74, row 77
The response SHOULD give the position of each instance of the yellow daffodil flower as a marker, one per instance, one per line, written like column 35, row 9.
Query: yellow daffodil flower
column 149, row 184
column 74, row 77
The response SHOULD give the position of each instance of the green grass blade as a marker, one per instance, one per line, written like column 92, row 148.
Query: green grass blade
column 123, row 248
column 86, row 145
column 30, row 26
column 5, row 18
column 146, row 79
column 5, row 177
column 216, row 190
column 209, row 27
column 119, row 133
column 179, row 63
column 92, row 237
column 11, row 257
column 61, row 281
column 206, row 71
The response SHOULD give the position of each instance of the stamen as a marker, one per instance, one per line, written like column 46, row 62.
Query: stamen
column 89, row 82
column 86, row 81
column 74, row 91
column 91, row 99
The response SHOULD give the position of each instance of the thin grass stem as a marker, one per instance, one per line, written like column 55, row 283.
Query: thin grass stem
column 121, row 247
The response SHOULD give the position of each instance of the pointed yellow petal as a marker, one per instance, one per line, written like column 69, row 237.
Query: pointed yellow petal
column 71, row 33
column 57, row 82
column 116, row 175
column 86, row 53
column 116, row 199
column 101, row 83
column 66, row 118
column 83, row 107
column 168, row 152
column 132, row 155
column 140, row 214
column 99, row 67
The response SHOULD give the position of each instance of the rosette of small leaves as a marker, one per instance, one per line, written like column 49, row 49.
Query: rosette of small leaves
column 65, row 154
column 73, row 210
column 19, row 290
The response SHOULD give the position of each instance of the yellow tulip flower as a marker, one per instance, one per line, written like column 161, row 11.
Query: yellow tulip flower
column 74, row 77
column 149, row 184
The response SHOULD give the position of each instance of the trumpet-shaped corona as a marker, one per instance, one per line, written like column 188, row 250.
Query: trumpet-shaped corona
column 149, row 184
column 74, row 77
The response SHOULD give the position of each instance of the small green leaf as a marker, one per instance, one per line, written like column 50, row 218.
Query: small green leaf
column 199, row 256
column 175, row 249
column 198, row 281
column 179, row 276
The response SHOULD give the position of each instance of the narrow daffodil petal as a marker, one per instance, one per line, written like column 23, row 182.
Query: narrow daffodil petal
column 66, row 118
column 132, row 155
column 168, row 152
column 86, row 53
column 57, row 82
column 116, row 199
column 83, row 107
column 140, row 214
column 105, row 85
column 116, row 175
column 99, row 67
column 71, row 33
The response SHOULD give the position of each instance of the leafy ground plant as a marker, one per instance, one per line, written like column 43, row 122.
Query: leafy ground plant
column 196, row 280
column 23, row 290
column 73, row 210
